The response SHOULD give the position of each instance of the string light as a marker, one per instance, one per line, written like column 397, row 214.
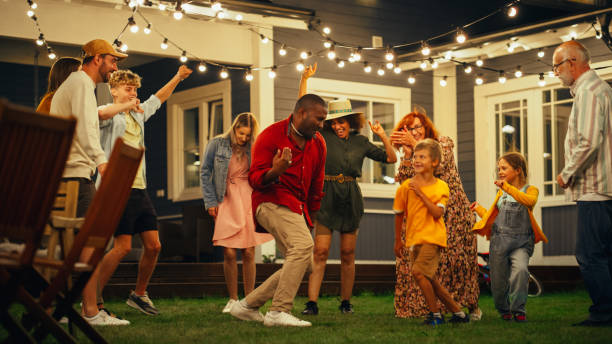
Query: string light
column 425, row 49
column 164, row 44
column 30, row 13
column 340, row 63
column 479, row 80
column 178, row 14
column 518, row 73
column 161, row 6
column 272, row 73
column 397, row 69
column 541, row 81
column 124, row 47
column 51, row 54
column 423, row 65
column 304, row 55
column 367, row 68
column 467, row 68
column 510, row 47
column 239, row 18
column 357, row 54
column 461, row 36
column 479, row 62
column 300, row 66
column 202, row 67
column 448, row 55
column 512, row 11
column 389, row 56
column 221, row 14
column 433, row 63
column 411, row 79
column 147, row 30
column 248, row 75
column 573, row 35
column 183, row 57
column 598, row 34
column 264, row 39
column 41, row 40
column 326, row 30
column 215, row 5
column 327, row 44
column 389, row 65
column 443, row 82
column 331, row 54
column 283, row 50
column 502, row 77
column 541, row 53
column 32, row 4
column 132, row 24
column 223, row 74
column 381, row 71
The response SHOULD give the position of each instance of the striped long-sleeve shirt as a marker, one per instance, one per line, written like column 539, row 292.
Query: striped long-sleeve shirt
column 588, row 143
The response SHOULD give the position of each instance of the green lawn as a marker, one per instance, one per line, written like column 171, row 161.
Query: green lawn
column 200, row 321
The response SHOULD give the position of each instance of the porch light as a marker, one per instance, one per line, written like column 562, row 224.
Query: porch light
column 461, row 36
column 132, row 24
column 264, row 39
column 164, row 44
column 328, row 43
column 331, row 54
column 541, row 81
column 397, row 69
column 443, row 82
column 147, row 30
column 238, row 17
column 326, row 30
column 41, row 40
column 381, row 71
column 425, row 49
column 32, row 4
column 479, row 80
column 540, row 53
column 512, row 11
column 518, row 73
column 223, row 74
column 411, row 79
column 502, row 77
column 248, row 76
column 423, row 65
column 51, row 54
column 202, row 67
column 479, row 62
column 389, row 56
column 357, row 54
column 272, row 73
column 300, row 66
column 367, row 68
column 183, row 57
column 389, row 65
column 467, row 68
column 283, row 50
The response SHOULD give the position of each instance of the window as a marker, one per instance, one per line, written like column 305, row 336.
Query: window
column 556, row 108
column 511, row 127
column 385, row 104
column 194, row 117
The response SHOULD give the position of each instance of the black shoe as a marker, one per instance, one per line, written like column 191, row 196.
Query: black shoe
column 311, row 308
column 455, row 319
column 346, row 307
column 591, row 323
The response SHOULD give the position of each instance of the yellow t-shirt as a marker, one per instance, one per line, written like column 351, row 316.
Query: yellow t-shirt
column 133, row 135
column 421, row 227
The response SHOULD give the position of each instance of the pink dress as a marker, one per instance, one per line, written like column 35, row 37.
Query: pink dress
column 234, row 226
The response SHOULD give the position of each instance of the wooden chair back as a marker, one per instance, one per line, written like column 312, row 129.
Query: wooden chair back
column 33, row 152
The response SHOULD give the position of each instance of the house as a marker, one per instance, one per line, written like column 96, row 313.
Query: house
column 484, row 120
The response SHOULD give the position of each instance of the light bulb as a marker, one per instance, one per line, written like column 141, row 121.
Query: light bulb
column 30, row 13
column 461, row 36
column 512, row 11
column 425, row 50
column 351, row 59
column 423, row 65
column 51, row 54
column 264, row 39
column 132, row 24
column 467, row 69
column 381, row 71
column 389, row 65
column 598, row 34
column 443, row 82
column 340, row 63
column 272, row 73
column 411, row 79
column 223, row 74
column 434, row 64
column 282, row 51
column 216, row 6
column 331, row 54
column 327, row 44
column 147, row 30
column 41, row 40
column 183, row 57
column 448, row 55
column 124, row 47
column 32, row 4
column 326, row 30
column 300, row 66
column 248, row 76
column 541, row 81
column 518, row 73
column 573, row 35
column 221, row 14
column 162, row 7
column 202, row 67
column 178, row 15
column 510, row 47
column 479, row 62
column 397, row 69
column 164, row 44
column 479, row 80
column 239, row 18
column 304, row 55
column 389, row 56
column 367, row 68
column 540, row 53
column 502, row 78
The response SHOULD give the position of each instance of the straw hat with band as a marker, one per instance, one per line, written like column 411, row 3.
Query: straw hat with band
column 340, row 108
column 100, row 47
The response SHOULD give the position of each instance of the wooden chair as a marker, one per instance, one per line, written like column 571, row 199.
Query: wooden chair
column 33, row 152
column 100, row 223
column 62, row 222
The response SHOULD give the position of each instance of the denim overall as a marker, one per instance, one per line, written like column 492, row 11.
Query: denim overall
column 512, row 242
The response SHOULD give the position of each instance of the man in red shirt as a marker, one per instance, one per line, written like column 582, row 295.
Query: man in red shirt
column 287, row 171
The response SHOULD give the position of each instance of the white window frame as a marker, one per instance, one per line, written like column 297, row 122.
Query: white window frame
column 195, row 97
column 484, row 129
column 399, row 96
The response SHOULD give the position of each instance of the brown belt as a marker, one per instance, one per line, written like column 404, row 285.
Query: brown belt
column 339, row 178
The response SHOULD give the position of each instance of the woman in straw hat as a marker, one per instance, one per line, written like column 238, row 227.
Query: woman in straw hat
column 342, row 205
column 458, row 271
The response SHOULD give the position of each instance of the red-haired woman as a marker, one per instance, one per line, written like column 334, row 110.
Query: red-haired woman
column 458, row 271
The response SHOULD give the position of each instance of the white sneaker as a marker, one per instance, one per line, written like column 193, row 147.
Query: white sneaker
column 476, row 315
column 242, row 311
column 275, row 318
column 229, row 305
column 103, row 319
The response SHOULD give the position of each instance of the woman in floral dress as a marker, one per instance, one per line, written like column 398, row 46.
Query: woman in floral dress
column 458, row 269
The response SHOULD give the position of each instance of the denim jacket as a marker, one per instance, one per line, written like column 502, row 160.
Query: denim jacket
column 114, row 127
column 213, row 174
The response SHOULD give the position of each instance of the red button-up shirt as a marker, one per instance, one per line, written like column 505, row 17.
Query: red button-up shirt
column 300, row 188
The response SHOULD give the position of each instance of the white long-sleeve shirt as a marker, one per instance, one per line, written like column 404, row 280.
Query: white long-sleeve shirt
column 76, row 97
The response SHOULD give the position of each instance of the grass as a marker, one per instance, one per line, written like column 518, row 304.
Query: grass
column 200, row 320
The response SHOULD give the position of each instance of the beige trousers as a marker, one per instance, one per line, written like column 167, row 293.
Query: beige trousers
column 294, row 241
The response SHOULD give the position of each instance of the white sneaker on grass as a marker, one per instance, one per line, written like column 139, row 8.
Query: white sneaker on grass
column 103, row 319
column 476, row 315
column 242, row 311
column 229, row 305
column 275, row 318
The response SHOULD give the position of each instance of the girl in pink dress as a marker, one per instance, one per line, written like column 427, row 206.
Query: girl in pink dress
column 227, row 197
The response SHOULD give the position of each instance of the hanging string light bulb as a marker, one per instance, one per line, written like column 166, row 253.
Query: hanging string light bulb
column 423, row 65
column 541, row 81
column 518, row 73
column 132, row 24
column 479, row 80
column 238, row 17
column 30, row 14
column 272, row 73
column 479, row 62
column 357, row 54
column 331, row 54
column 300, row 66
column 502, row 77
column 221, row 14
column 178, row 14
column 366, row 67
column 202, row 67
column 283, row 50
column 389, row 65
column 443, row 82
column 411, row 79
column 425, row 49
column 41, row 40
column 389, row 55
column 328, row 43
column 224, row 73
column 183, row 57
column 397, row 69
column 461, row 36
column 433, row 63
column 32, row 4
column 264, row 39
column 512, row 11
column 467, row 68
column 304, row 55
column 147, row 30
column 164, row 44
column 340, row 63
column 215, row 5
column 380, row 71
column 248, row 75
column 326, row 30
column 540, row 53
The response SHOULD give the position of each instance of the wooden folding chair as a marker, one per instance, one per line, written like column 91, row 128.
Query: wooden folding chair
column 100, row 223
column 33, row 152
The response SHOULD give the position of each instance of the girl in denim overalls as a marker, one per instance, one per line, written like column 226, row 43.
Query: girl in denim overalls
column 513, row 231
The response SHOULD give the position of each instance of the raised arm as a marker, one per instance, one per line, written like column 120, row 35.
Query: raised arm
column 164, row 93
column 109, row 111
column 380, row 131
column 308, row 72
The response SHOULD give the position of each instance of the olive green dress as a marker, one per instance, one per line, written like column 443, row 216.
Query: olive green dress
column 342, row 205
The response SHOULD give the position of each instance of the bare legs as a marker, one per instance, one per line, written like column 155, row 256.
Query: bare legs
column 230, row 270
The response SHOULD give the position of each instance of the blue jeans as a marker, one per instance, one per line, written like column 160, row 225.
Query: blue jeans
column 594, row 255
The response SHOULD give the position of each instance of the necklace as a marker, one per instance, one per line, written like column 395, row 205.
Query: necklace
column 295, row 129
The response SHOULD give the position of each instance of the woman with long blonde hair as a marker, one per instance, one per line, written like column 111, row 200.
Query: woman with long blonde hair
column 227, row 198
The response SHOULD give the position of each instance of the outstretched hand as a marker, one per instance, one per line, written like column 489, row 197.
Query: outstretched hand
column 309, row 71
column 282, row 160
column 377, row 128
column 184, row 72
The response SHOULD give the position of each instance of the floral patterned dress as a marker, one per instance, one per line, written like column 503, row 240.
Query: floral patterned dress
column 458, row 269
